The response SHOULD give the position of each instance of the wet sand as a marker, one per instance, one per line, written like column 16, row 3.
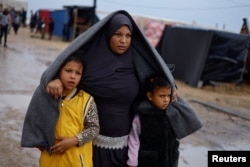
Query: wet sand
column 22, row 64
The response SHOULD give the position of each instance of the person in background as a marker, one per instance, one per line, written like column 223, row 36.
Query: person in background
column 11, row 20
column 33, row 21
column 16, row 21
column 74, row 127
column 42, row 26
column 152, row 141
column 51, row 27
column 5, row 26
column 24, row 17
column 1, row 16
column 1, row 7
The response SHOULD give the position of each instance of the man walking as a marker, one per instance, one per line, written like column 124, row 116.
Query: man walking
column 5, row 21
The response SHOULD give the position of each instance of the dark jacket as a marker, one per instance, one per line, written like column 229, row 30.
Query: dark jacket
column 158, row 142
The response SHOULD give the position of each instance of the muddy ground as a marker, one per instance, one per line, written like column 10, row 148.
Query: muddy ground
column 24, row 60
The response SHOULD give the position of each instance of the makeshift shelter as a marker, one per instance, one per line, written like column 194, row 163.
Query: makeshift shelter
column 203, row 55
column 60, row 17
column 80, row 18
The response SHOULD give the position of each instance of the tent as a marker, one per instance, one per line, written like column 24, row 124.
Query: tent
column 60, row 16
column 203, row 55
column 80, row 18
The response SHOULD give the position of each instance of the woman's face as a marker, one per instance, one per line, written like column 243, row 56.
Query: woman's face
column 121, row 40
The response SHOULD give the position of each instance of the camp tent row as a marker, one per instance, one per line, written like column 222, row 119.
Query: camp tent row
column 70, row 21
column 199, row 55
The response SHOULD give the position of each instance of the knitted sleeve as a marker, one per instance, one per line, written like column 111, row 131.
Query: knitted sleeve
column 91, row 124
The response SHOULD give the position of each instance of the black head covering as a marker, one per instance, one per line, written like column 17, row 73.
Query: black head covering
column 116, row 22
column 102, row 65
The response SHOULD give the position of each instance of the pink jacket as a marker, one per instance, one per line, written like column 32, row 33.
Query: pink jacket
column 134, row 142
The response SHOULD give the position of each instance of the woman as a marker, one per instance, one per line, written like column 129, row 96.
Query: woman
column 112, row 77
column 115, row 90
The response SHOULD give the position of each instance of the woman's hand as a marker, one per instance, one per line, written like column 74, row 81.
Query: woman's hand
column 64, row 144
column 55, row 88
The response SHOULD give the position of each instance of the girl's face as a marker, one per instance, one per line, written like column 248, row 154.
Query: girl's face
column 160, row 97
column 121, row 40
column 70, row 75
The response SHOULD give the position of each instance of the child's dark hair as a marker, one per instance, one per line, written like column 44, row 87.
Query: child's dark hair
column 73, row 58
column 158, row 81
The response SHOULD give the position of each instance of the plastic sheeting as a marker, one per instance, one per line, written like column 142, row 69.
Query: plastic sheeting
column 226, row 58
column 204, row 55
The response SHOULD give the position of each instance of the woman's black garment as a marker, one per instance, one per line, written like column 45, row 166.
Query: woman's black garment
column 111, row 80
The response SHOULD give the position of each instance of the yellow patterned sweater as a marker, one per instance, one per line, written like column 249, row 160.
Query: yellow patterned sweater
column 71, row 123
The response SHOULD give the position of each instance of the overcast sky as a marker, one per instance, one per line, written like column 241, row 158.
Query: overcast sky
column 204, row 12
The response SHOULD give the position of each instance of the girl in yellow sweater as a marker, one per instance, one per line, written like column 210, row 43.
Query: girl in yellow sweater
column 77, row 124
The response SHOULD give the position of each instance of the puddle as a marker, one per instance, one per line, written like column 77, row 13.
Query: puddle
column 191, row 156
